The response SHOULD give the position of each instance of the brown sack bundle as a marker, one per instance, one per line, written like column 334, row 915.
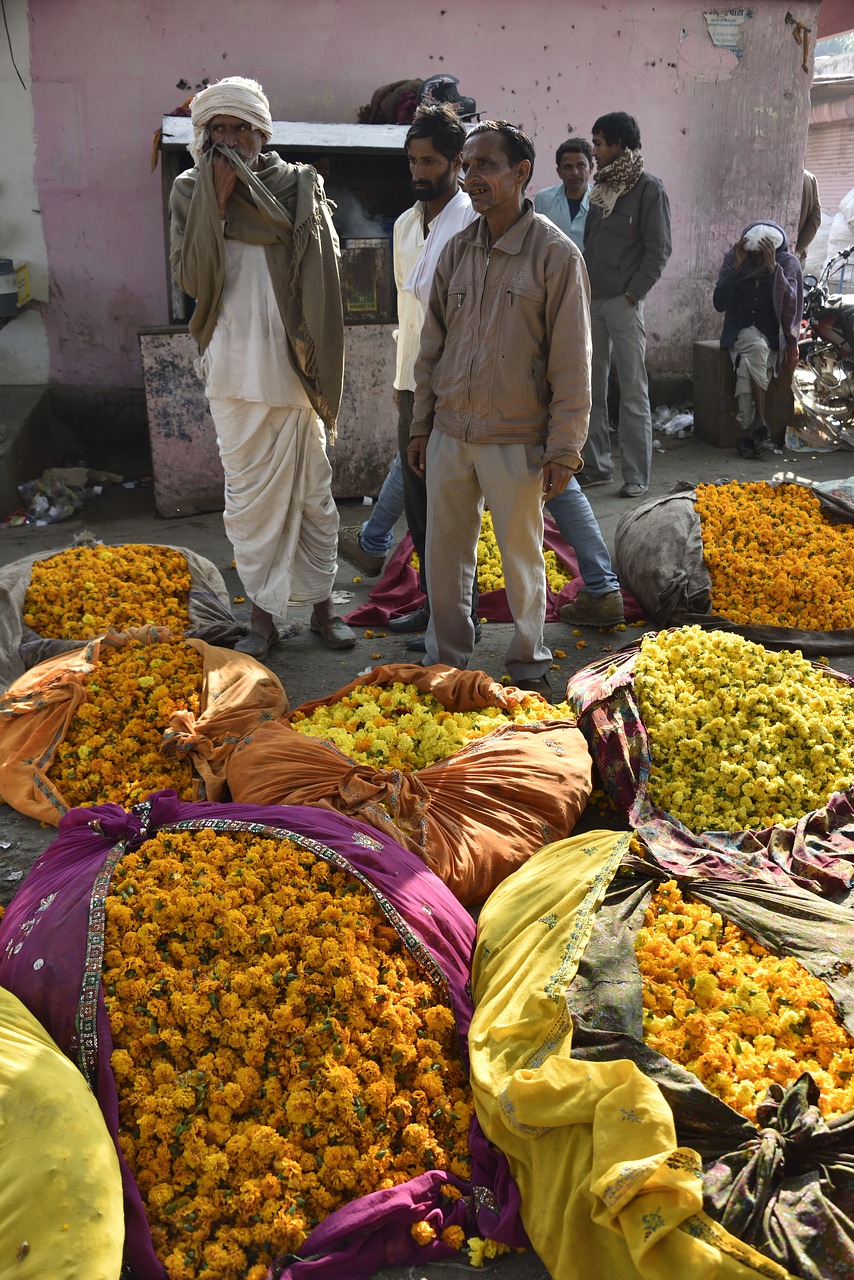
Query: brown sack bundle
column 473, row 818
column 37, row 709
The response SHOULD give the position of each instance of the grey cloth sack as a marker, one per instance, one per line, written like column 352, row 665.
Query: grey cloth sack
column 658, row 554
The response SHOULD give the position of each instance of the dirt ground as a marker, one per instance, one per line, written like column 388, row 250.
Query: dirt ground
column 309, row 670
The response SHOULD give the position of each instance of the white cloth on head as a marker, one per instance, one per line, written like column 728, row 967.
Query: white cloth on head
column 233, row 96
column 762, row 231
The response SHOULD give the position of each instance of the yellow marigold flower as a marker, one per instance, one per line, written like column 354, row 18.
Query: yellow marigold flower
column 257, row 1093
column 86, row 591
column 111, row 751
column 423, row 730
column 740, row 737
column 422, row 1233
column 357, row 580
column 560, row 653
column 454, row 1237
column 775, row 558
column 736, row 1016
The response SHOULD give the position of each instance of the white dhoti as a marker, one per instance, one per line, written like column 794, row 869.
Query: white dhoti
column 753, row 361
column 280, row 516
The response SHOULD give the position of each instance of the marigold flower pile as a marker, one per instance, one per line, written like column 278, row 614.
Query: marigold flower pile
column 740, row 738
column 774, row 558
column 396, row 726
column 85, row 591
column 278, row 1052
column 490, row 570
column 737, row 1017
column 111, row 751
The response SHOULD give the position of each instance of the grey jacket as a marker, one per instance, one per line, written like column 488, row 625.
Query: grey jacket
column 627, row 251
column 505, row 346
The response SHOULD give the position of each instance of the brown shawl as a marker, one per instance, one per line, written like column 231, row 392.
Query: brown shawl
column 281, row 206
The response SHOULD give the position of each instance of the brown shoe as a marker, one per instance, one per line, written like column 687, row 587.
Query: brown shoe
column 334, row 632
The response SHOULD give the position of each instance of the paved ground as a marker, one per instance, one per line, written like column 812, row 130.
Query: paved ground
column 308, row 670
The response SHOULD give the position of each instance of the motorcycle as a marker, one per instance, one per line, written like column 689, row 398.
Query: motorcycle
column 823, row 380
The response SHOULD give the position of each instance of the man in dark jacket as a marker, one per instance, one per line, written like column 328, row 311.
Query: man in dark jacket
column 760, row 291
column 626, row 247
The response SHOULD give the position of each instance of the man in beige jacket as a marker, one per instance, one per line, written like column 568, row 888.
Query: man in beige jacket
column 502, row 399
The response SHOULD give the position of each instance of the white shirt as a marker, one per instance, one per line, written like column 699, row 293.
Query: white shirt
column 415, row 259
column 247, row 357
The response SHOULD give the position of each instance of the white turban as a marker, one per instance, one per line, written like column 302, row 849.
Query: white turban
column 234, row 96
column 762, row 231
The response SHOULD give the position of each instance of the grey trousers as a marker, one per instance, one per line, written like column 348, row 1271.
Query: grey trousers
column 619, row 333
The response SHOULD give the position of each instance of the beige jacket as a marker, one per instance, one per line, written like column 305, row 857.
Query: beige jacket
column 505, row 348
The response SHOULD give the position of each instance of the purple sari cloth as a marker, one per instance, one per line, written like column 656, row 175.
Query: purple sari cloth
column 51, row 954
column 816, row 854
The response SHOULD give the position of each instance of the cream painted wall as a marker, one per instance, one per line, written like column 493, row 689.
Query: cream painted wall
column 726, row 134
column 24, row 353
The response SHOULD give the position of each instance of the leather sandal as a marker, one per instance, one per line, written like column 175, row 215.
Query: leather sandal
column 256, row 645
column 334, row 632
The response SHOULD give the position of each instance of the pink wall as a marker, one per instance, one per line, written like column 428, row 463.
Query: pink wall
column 726, row 135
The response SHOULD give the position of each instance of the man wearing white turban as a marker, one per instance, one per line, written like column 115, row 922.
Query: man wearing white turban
column 252, row 241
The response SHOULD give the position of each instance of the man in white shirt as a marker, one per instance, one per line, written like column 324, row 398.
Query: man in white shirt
column 567, row 202
column 434, row 144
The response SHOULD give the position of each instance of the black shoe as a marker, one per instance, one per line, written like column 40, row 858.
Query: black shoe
column 417, row 644
column 746, row 447
column 762, row 439
column 416, row 621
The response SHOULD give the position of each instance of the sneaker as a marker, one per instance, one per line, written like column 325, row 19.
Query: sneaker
column 634, row 490
column 589, row 479
column 593, row 611
column 350, row 547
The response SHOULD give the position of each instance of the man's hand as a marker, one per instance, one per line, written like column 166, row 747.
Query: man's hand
column 555, row 479
column 416, row 455
column 630, row 299
column 740, row 253
column 225, row 180
column 395, row 397
column 766, row 248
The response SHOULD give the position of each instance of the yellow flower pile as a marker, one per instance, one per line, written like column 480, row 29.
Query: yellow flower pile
column 737, row 1017
column 396, row 726
column 490, row 570
column 111, row 751
column 86, row 591
column 740, row 737
column 278, row 1052
column 774, row 558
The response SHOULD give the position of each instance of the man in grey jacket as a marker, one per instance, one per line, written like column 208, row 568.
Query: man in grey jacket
column 502, row 399
column 626, row 247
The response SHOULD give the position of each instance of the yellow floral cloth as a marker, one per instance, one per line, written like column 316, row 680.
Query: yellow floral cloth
column 605, row 1190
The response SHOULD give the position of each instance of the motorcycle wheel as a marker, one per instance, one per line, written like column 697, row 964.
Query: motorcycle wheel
column 822, row 386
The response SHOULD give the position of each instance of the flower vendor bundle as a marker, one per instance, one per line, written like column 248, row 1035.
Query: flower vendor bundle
column 774, row 558
column 740, row 737
column 278, row 1051
column 398, row 726
column 739, row 1018
column 490, row 570
column 85, row 591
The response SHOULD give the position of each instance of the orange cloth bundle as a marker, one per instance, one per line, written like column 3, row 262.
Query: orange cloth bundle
column 473, row 818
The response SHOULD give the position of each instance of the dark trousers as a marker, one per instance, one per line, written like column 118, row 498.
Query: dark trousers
column 415, row 498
